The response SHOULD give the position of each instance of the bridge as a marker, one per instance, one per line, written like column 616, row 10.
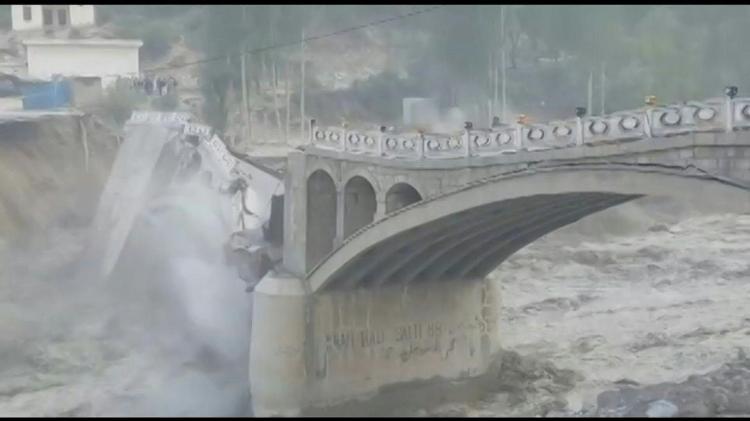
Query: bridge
column 388, row 237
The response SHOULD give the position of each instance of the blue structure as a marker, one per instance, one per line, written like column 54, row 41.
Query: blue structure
column 45, row 96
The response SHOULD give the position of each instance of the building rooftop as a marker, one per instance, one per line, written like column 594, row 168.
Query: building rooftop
column 101, row 42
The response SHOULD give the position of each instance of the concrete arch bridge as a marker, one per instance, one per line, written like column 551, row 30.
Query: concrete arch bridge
column 388, row 236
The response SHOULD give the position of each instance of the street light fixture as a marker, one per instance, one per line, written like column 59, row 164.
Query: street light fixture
column 730, row 91
column 580, row 112
column 468, row 125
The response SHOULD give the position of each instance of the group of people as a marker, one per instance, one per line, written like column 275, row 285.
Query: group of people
column 154, row 86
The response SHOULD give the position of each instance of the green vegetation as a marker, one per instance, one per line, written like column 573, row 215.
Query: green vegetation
column 119, row 102
column 157, row 41
column 553, row 52
column 674, row 52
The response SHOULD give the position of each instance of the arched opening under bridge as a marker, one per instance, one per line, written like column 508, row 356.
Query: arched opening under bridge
column 321, row 216
column 359, row 204
column 400, row 195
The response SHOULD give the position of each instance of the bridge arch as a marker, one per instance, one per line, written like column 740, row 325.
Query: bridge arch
column 400, row 195
column 468, row 232
column 329, row 169
column 321, row 216
column 360, row 204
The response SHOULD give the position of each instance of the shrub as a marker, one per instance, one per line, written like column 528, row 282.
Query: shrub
column 119, row 102
column 157, row 42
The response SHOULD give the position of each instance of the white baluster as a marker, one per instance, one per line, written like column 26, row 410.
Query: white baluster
column 420, row 146
column 647, row 122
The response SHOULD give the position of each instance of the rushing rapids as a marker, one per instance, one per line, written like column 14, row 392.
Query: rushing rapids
column 592, row 315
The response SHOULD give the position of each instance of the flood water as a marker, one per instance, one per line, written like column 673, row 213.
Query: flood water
column 581, row 315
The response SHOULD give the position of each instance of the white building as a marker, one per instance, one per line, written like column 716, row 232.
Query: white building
column 25, row 17
column 104, row 58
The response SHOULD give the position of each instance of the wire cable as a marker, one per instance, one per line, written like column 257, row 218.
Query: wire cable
column 304, row 40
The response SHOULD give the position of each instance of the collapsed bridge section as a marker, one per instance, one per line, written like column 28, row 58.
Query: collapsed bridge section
column 164, row 149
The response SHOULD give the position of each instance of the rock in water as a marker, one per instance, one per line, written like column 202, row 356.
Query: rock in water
column 661, row 409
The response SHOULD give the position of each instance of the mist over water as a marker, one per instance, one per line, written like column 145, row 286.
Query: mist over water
column 175, row 295
column 196, row 312
column 167, row 334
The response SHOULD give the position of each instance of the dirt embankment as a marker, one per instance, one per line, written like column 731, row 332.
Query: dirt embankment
column 51, row 175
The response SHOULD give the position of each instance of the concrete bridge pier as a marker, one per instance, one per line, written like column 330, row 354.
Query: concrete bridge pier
column 323, row 348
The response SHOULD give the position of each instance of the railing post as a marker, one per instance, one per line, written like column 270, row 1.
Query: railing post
column 579, row 131
column 381, row 139
column 343, row 138
column 519, row 137
column 730, row 92
column 647, row 122
column 311, row 137
column 468, row 125
column 467, row 144
column 421, row 146
column 729, row 107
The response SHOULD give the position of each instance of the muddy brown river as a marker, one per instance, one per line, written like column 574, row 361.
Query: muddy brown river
column 638, row 319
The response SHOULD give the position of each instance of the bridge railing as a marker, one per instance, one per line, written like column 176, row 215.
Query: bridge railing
column 712, row 115
column 626, row 125
column 176, row 119
column 493, row 142
column 741, row 113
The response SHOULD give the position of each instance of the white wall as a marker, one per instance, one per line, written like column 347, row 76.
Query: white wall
column 13, row 103
column 79, row 15
column 83, row 58
column 82, row 15
column 16, row 14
